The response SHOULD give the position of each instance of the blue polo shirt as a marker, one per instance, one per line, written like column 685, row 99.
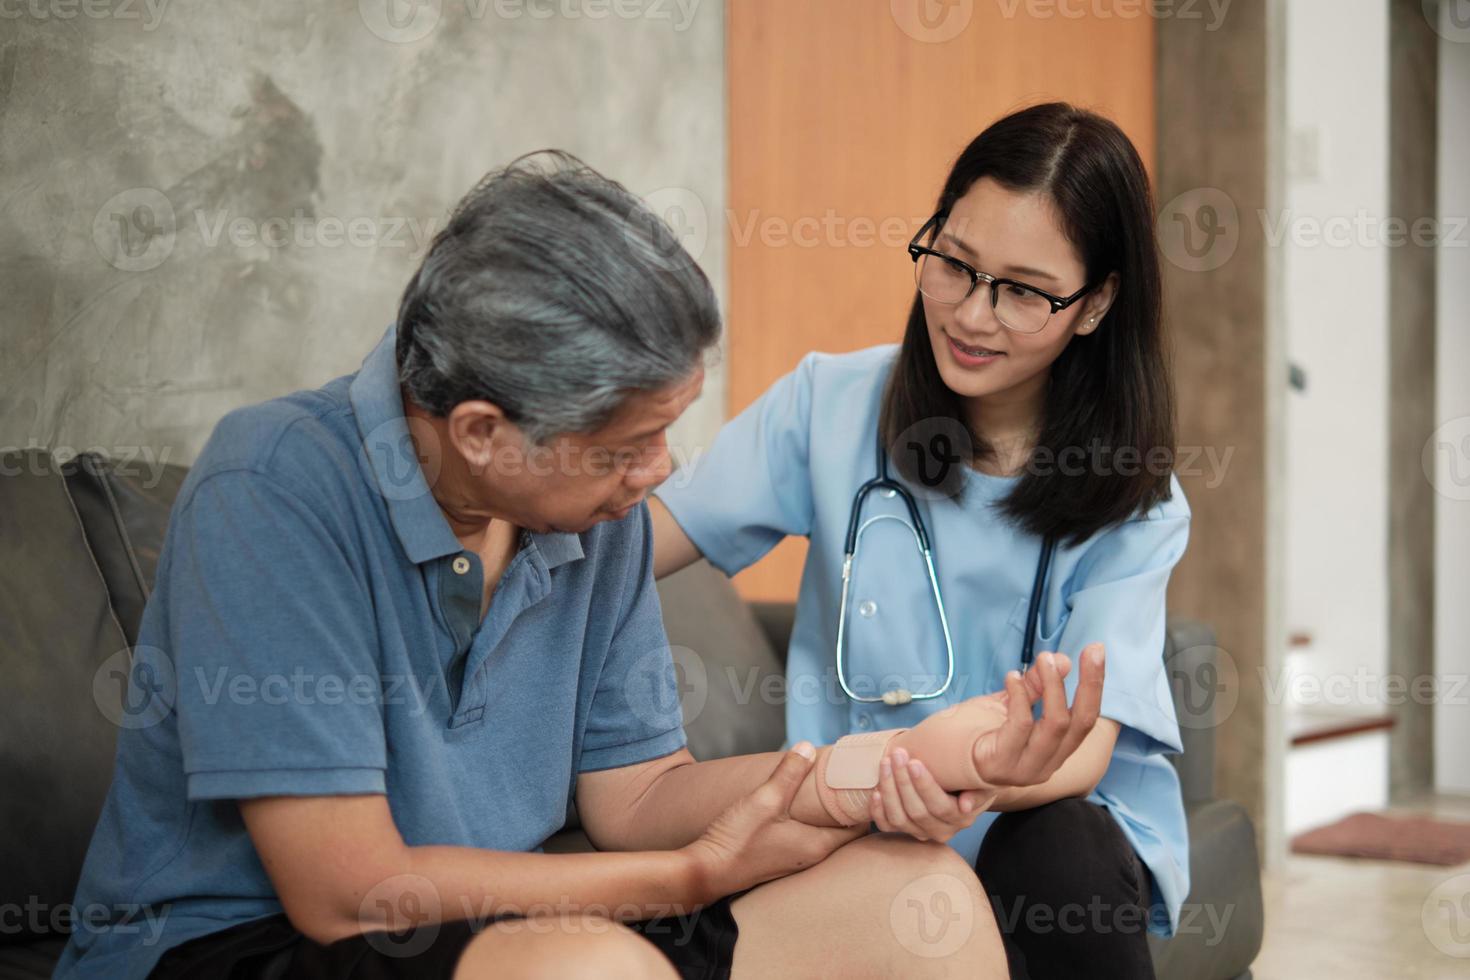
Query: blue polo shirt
column 315, row 630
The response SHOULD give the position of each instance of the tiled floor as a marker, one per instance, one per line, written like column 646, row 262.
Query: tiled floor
column 1344, row 919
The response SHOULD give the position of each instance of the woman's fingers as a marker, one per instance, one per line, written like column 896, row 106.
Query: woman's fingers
column 998, row 752
column 936, row 813
column 1087, row 702
column 1051, row 730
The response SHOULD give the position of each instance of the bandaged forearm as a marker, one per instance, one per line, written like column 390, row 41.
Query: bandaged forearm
column 846, row 773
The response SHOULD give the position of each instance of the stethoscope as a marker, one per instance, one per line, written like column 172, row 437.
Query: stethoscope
column 855, row 531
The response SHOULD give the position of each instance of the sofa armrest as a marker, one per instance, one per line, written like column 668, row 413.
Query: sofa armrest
column 1191, row 664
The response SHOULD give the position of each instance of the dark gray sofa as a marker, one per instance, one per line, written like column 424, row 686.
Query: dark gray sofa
column 78, row 546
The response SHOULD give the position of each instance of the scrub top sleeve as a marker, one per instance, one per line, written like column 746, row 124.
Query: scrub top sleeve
column 1117, row 599
column 753, row 487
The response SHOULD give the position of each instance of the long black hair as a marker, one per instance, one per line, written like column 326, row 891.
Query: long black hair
column 1109, row 391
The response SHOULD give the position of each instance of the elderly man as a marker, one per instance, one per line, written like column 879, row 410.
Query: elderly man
column 403, row 620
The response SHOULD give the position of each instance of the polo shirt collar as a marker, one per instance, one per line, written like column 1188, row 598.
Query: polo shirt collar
column 377, row 402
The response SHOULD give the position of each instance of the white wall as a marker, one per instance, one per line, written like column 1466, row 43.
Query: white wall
column 1452, row 445
column 1335, row 304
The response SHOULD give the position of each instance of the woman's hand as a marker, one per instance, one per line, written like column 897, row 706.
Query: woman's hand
column 757, row 839
column 1024, row 751
column 909, row 801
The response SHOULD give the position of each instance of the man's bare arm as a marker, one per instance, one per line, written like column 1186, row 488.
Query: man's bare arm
column 340, row 866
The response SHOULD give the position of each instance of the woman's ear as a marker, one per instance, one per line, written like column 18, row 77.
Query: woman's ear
column 1097, row 304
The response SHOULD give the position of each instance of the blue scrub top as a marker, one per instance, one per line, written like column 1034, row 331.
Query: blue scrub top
column 791, row 464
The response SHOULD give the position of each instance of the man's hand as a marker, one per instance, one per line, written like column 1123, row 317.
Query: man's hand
column 756, row 839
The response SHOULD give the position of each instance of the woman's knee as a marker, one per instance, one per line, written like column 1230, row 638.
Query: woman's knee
column 557, row 947
column 1058, row 850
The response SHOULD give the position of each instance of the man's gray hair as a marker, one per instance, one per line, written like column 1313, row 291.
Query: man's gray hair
column 554, row 293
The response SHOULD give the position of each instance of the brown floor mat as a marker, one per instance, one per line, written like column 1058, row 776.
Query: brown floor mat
column 1421, row 840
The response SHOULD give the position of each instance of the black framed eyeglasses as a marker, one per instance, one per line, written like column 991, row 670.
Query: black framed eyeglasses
column 1020, row 307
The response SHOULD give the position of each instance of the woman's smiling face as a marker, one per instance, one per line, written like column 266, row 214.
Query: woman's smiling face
column 1012, row 235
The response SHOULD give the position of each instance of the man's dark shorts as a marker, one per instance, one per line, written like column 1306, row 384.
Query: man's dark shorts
column 700, row 946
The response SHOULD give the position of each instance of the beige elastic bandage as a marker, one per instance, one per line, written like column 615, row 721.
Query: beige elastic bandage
column 848, row 773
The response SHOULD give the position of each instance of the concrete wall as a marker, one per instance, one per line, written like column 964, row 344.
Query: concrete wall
column 208, row 204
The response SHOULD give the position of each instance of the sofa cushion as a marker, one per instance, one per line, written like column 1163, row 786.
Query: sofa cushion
column 64, row 658
column 1223, row 919
column 124, row 508
column 731, row 684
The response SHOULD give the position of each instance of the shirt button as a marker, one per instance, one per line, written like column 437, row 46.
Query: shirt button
column 864, row 722
column 867, row 609
column 461, row 565
column 890, row 493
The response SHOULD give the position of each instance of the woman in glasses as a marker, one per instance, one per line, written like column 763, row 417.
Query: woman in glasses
column 1025, row 425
